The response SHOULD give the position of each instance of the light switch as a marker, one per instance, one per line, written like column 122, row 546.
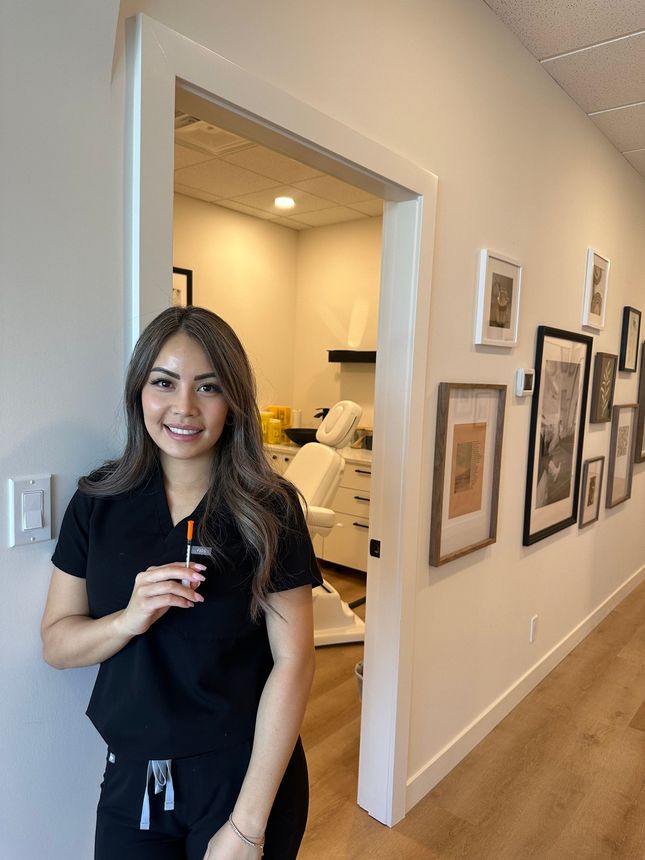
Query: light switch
column 32, row 510
column 29, row 509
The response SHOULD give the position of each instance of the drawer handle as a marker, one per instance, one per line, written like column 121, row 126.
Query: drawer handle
column 362, row 472
column 360, row 525
column 361, row 499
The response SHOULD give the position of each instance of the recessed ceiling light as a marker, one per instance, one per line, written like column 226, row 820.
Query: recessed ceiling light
column 284, row 202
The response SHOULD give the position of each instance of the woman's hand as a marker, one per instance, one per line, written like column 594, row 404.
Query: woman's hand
column 156, row 590
column 226, row 845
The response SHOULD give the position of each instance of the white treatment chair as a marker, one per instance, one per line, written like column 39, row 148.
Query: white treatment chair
column 316, row 471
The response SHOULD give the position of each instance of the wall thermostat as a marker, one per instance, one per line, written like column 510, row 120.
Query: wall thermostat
column 524, row 381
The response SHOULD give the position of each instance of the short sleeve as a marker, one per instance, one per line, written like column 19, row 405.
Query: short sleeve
column 70, row 554
column 296, row 563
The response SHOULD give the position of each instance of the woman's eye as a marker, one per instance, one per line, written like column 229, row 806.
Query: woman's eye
column 210, row 388
column 161, row 383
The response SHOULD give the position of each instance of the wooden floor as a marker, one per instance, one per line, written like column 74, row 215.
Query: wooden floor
column 561, row 778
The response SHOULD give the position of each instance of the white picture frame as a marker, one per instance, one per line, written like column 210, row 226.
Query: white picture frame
column 596, row 290
column 498, row 300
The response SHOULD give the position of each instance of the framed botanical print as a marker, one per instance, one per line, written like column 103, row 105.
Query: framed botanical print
column 621, row 453
column 596, row 283
column 498, row 300
column 467, row 461
column 590, row 491
column 602, row 389
column 182, row 287
column 629, row 339
column 562, row 362
column 639, row 448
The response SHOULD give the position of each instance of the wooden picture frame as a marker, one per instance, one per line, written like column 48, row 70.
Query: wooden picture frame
column 629, row 339
column 182, row 287
column 498, row 300
column 639, row 446
column 596, row 287
column 591, row 490
column 621, row 453
column 603, row 387
column 558, row 411
column 467, row 463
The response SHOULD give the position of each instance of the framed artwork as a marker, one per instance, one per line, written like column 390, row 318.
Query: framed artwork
column 498, row 300
column 590, row 491
column 621, row 453
column 602, row 388
column 596, row 283
column 182, row 287
column 467, row 461
column 562, row 363
column 639, row 447
column 629, row 339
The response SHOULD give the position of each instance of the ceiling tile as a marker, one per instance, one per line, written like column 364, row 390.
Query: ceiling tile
column 196, row 193
column 369, row 207
column 185, row 157
column 625, row 127
column 604, row 77
column 291, row 222
column 335, row 215
column 550, row 27
column 637, row 159
column 264, row 200
column 246, row 210
column 272, row 164
column 333, row 189
column 222, row 179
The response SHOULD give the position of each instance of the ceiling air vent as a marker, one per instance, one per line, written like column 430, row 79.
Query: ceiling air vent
column 204, row 137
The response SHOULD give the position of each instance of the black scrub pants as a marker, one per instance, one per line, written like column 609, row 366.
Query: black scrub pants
column 206, row 788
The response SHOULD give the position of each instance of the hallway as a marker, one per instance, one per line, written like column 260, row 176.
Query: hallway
column 561, row 778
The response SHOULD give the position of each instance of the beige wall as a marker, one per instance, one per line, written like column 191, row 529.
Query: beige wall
column 291, row 296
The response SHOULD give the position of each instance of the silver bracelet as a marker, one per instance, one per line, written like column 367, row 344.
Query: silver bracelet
column 250, row 842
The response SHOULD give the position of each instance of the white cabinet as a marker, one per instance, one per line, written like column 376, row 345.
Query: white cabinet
column 347, row 543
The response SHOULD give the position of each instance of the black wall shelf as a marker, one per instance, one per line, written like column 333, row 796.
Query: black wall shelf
column 356, row 356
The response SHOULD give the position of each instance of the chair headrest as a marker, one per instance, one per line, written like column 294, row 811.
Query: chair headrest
column 339, row 424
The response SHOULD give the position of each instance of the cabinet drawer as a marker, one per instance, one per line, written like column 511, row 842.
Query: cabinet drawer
column 357, row 476
column 353, row 502
column 348, row 542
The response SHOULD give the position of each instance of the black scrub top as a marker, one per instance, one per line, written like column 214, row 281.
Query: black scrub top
column 193, row 681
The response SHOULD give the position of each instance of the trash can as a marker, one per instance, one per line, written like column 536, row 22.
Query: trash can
column 358, row 671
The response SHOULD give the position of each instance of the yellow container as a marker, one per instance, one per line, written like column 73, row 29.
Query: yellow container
column 265, row 417
column 275, row 431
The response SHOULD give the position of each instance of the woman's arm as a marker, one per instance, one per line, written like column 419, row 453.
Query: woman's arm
column 280, row 714
column 71, row 638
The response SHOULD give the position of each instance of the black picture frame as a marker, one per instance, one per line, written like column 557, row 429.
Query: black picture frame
column 603, row 387
column 629, row 339
column 182, row 287
column 639, row 449
column 591, row 491
column 558, row 413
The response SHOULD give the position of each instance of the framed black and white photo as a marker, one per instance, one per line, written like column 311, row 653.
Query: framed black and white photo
column 467, row 461
column 629, row 339
column 602, row 387
column 182, row 287
column 621, row 453
column 590, row 490
column 639, row 447
column 562, row 363
column 498, row 300
column 596, row 284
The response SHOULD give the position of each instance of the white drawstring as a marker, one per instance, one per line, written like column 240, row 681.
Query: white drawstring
column 163, row 779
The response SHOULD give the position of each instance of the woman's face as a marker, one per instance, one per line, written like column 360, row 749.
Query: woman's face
column 184, row 409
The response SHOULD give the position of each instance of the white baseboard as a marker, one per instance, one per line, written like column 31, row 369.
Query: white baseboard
column 421, row 782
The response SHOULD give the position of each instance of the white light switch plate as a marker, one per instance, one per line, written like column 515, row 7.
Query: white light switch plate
column 20, row 513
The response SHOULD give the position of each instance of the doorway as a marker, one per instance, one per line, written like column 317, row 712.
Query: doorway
column 159, row 58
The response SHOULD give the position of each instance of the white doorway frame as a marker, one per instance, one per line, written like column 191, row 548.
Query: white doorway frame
column 158, row 59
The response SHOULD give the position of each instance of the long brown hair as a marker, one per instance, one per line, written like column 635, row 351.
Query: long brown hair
column 241, row 483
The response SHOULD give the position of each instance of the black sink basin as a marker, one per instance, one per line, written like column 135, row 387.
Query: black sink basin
column 301, row 435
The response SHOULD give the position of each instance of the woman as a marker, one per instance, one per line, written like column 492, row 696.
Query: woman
column 200, row 709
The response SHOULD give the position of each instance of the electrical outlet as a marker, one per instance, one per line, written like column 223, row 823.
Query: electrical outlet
column 533, row 629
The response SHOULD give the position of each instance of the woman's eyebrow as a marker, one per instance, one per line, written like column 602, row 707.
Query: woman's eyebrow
column 176, row 375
